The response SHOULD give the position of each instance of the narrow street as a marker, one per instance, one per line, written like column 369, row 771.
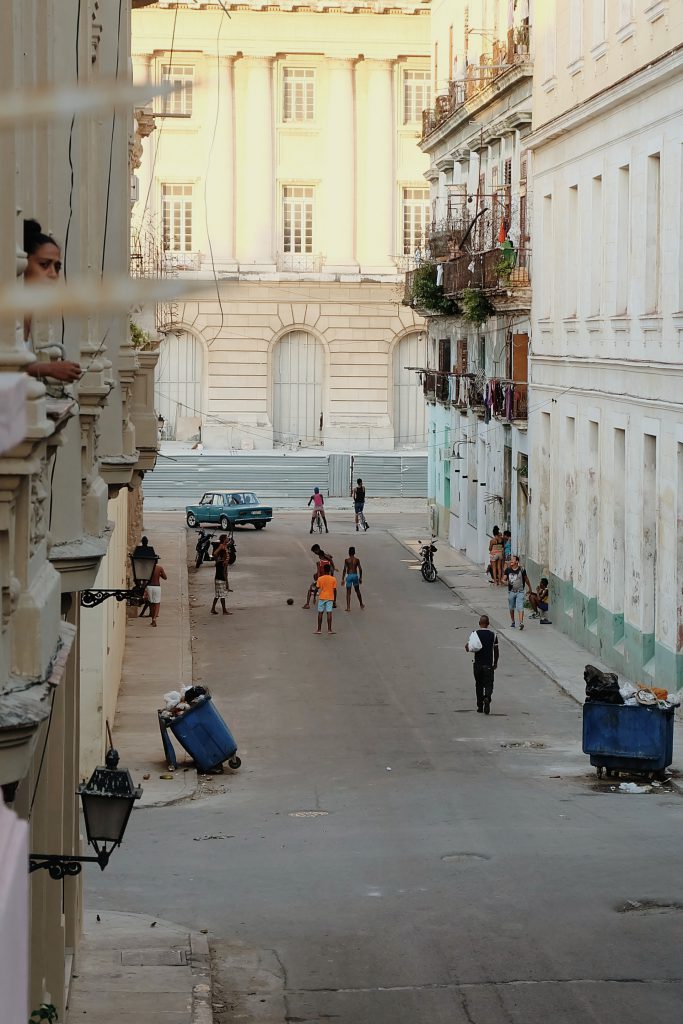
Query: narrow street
column 386, row 855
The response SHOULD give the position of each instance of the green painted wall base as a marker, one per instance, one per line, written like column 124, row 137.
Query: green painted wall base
column 631, row 653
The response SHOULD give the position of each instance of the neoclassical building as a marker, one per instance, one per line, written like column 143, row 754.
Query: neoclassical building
column 285, row 170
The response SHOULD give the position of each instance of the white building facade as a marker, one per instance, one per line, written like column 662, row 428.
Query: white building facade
column 286, row 170
column 606, row 401
column 476, row 268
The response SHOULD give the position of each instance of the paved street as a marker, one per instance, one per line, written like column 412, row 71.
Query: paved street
column 386, row 855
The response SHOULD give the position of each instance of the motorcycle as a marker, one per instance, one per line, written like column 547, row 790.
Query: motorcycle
column 428, row 569
column 204, row 541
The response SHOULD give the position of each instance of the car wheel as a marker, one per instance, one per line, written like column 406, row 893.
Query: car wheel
column 225, row 523
column 259, row 526
column 191, row 519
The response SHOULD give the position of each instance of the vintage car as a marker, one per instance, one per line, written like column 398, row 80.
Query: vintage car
column 228, row 509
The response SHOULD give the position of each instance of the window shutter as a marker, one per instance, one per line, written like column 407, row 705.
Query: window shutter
column 461, row 364
column 520, row 357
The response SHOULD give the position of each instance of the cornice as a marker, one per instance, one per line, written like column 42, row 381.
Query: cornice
column 657, row 73
column 396, row 8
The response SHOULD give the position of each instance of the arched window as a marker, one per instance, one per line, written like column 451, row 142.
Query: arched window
column 410, row 411
column 179, row 381
column 298, row 376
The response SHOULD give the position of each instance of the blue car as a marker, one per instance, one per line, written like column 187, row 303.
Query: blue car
column 228, row 509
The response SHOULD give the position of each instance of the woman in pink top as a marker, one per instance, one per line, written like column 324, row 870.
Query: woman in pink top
column 318, row 506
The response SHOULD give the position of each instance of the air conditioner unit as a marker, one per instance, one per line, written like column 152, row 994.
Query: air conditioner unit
column 434, row 519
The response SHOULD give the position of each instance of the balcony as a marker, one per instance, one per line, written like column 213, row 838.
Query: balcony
column 492, row 270
column 511, row 402
column 300, row 263
column 444, row 106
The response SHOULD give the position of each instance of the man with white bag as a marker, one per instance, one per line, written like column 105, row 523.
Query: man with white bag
column 483, row 644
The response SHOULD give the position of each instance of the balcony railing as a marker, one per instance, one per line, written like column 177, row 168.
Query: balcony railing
column 429, row 386
column 300, row 263
column 492, row 270
column 511, row 401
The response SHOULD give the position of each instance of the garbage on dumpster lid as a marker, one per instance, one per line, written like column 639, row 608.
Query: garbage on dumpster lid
column 602, row 686
column 178, row 703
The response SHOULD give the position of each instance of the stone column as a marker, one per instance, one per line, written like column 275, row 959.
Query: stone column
column 338, row 244
column 255, row 183
column 220, row 160
column 376, row 231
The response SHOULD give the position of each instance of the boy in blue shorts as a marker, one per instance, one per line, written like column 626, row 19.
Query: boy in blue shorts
column 353, row 574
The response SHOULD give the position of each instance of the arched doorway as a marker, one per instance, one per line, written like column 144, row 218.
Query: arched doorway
column 179, row 383
column 410, row 411
column 298, row 376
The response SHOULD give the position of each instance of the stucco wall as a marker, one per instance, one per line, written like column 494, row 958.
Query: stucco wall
column 606, row 469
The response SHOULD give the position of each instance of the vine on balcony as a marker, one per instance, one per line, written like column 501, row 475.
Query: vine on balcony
column 476, row 306
column 427, row 294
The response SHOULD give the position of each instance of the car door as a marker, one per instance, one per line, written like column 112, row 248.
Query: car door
column 203, row 509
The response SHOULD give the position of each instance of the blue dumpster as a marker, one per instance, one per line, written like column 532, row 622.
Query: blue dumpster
column 628, row 738
column 204, row 735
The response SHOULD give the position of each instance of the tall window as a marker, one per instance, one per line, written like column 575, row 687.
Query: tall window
column 176, row 210
column 417, row 95
column 298, row 94
column 181, row 77
column 297, row 219
column 415, row 217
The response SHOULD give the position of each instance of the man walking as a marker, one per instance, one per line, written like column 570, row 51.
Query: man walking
column 154, row 591
column 220, row 557
column 353, row 574
column 517, row 580
column 485, row 663
column 327, row 590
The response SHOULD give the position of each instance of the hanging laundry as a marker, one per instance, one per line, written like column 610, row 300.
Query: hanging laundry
column 439, row 274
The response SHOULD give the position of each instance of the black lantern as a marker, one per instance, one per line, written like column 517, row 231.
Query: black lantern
column 108, row 800
column 142, row 565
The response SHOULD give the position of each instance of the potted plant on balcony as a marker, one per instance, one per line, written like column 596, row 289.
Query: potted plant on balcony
column 476, row 307
column 429, row 296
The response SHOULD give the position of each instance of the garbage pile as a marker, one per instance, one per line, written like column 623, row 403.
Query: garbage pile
column 604, row 688
column 176, row 702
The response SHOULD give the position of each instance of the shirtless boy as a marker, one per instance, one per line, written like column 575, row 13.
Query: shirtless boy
column 353, row 574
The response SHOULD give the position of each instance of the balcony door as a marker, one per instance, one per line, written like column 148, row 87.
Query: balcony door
column 410, row 410
column 298, row 380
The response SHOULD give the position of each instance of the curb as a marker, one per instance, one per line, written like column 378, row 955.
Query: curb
column 200, row 962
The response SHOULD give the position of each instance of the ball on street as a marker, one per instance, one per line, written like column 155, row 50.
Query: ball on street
column 290, row 600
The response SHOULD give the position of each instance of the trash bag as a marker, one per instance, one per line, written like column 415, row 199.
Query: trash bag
column 602, row 686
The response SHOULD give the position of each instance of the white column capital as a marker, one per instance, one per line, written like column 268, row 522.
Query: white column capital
column 340, row 63
column 378, row 64
column 254, row 61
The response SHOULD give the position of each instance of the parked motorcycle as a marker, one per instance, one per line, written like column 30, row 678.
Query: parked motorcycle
column 428, row 569
column 204, row 541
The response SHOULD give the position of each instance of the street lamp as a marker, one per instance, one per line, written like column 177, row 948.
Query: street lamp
column 142, row 566
column 107, row 800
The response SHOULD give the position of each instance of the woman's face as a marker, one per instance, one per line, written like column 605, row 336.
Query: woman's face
column 44, row 264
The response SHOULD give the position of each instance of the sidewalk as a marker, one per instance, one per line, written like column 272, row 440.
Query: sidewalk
column 156, row 661
column 134, row 968
column 545, row 647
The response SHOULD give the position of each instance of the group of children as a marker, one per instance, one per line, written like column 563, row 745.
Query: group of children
column 323, row 586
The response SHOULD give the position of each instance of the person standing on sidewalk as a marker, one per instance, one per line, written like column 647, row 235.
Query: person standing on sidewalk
column 154, row 591
column 517, row 580
column 220, row 593
column 485, row 663
column 496, row 555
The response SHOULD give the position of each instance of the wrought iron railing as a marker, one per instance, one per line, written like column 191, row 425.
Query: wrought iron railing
column 300, row 263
